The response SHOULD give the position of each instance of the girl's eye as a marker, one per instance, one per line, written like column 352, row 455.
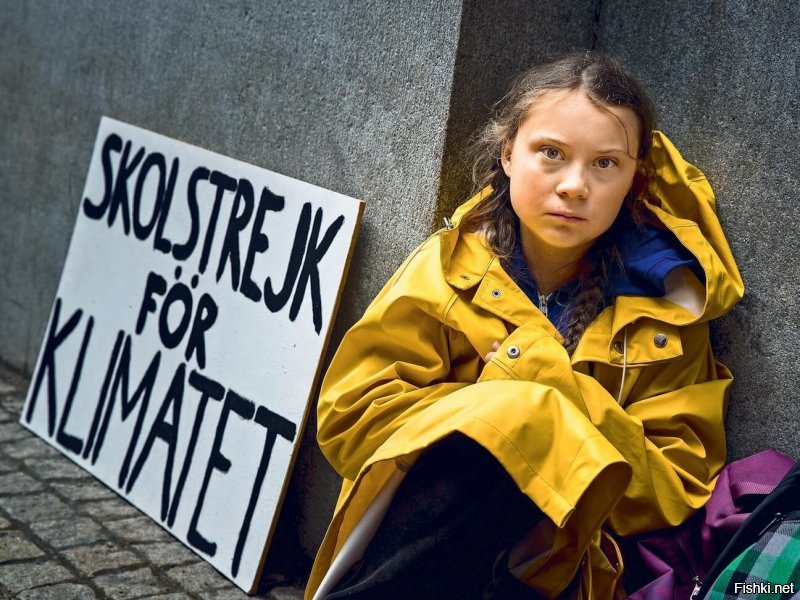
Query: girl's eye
column 551, row 153
column 605, row 163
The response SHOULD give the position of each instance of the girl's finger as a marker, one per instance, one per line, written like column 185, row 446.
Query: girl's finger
column 495, row 348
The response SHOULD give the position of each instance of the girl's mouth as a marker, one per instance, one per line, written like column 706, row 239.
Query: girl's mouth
column 567, row 218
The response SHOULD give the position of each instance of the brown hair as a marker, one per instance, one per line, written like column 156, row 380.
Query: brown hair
column 605, row 84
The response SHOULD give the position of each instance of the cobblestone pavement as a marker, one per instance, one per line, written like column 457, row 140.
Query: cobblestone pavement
column 64, row 535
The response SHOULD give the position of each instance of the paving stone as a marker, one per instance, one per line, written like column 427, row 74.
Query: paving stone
column 6, row 388
column 12, row 403
column 18, row 483
column 167, row 554
column 86, row 490
column 59, row 591
column 7, row 465
column 14, row 546
column 65, row 533
column 8, row 406
column 138, row 529
column 198, row 577
column 165, row 597
column 31, row 447
column 11, row 431
column 26, row 575
column 130, row 584
column 32, row 508
column 231, row 593
column 286, row 593
column 8, row 417
column 91, row 560
column 58, row 467
column 110, row 509
column 16, row 388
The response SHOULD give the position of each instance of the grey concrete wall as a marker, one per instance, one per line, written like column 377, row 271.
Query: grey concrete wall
column 724, row 76
column 351, row 96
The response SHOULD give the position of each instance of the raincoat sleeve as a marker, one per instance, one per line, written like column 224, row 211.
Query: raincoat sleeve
column 671, row 431
column 390, row 366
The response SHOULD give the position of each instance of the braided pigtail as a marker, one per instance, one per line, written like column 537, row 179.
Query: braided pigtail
column 591, row 297
column 605, row 257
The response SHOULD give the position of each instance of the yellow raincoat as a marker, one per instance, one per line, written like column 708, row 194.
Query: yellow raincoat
column 625, row 434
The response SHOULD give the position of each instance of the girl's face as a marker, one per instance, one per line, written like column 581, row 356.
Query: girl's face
column 570, row 166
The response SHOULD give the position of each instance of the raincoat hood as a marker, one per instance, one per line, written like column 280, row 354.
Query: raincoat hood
column 682, row 199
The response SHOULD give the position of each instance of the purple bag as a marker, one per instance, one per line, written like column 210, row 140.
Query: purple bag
column 670, row 563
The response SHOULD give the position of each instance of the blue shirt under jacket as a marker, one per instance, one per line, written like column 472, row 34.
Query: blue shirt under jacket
column 648, row 255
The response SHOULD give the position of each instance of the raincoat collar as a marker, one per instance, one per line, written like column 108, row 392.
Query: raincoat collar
column 468, row 263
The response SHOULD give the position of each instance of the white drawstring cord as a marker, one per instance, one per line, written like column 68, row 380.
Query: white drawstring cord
column 624, row 363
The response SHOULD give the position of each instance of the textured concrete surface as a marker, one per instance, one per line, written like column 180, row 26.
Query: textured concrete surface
column 63, row 535
column 352, row 97
column 724, row 76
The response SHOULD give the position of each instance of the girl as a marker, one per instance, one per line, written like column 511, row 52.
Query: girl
column 538, row 374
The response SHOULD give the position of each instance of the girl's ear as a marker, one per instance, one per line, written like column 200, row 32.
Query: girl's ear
column 505, row 159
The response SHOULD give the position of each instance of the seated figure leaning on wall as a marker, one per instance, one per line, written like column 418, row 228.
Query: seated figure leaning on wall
column 538, row 374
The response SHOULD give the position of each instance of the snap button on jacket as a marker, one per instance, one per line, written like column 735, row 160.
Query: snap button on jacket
column 624, row 435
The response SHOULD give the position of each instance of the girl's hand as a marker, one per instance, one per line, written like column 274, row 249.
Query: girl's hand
column 490, row 355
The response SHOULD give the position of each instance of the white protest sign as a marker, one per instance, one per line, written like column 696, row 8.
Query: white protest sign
column 186, row 336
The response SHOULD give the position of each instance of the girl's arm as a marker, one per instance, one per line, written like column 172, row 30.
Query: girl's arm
column 395, row 362
column 671, row 431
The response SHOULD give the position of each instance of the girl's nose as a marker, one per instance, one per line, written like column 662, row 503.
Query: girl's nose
column 573, row 183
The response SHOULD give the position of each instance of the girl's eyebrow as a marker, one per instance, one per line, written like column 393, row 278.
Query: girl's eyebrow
column 538, row 139
column 549, row 140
